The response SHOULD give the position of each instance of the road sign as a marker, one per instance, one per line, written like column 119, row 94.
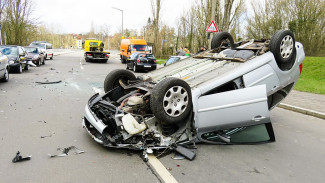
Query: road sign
column 212, row 27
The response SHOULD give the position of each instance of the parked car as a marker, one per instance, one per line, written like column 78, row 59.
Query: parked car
column 4, row 68
column 16, row 55
column 174, row 59
column 35, row 55
column 141, row 61
column 221, row 96
column 44, row 47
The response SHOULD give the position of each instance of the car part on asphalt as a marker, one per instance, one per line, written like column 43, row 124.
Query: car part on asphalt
column 220, row 96
column 19, row 158
column 64, row 151
column 48, row 82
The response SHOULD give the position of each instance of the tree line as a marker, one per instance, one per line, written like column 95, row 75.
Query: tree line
column 259, row 19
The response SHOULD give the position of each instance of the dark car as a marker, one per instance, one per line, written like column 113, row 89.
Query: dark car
column 141, row 61
column 16, row 55
column 35, row 55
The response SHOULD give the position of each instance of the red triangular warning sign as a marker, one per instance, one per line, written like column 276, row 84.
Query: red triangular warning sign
column 212, row 27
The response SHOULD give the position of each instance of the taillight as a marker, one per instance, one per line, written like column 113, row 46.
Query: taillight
column 300, row 68
column 138, row 61
column 155, row 61
column 88, row 54
column 107, row 55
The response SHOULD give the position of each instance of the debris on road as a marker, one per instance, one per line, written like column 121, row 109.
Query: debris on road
column 64, row 151
column 42, row 137
column 52, row 69
column 19, row 158
column 48, row 82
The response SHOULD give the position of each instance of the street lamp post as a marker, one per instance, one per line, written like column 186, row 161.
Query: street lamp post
column 122, row 17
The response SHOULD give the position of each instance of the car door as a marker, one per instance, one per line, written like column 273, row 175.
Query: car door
column 221, row 113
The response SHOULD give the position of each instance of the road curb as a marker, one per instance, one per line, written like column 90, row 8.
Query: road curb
column 302, row 110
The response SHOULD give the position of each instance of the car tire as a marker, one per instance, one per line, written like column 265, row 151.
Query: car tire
column 43, row 63
column 6, row 75
column 45, row 57
column 135, row 67
column 282, row 45
column 112, row 79
column 39, row 62
column 171, row 100
column 19, row 69
column 26, row 68
column 222, row 39
column 126, row 66
column 52, row 57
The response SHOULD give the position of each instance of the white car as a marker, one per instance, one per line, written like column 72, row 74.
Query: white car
column 45, row 48
column 220, row 96
column 4, row 68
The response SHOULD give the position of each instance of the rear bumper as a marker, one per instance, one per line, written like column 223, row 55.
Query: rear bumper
column 148, row 67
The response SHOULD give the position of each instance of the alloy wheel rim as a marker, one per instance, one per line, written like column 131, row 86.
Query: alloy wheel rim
column 175, row 101
column 286, row 46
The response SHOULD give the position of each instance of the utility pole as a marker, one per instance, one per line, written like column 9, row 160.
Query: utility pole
column 213, row 15
column 122, row 17
column 0, row 22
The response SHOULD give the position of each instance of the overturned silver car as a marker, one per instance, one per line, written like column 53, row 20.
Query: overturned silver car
column 220, row 96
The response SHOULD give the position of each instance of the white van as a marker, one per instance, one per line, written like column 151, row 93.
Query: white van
column 45, row 47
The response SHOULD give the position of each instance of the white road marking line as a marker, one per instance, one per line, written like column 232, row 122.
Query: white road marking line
column 81, row 67
column 97, row 90
column 160, row 169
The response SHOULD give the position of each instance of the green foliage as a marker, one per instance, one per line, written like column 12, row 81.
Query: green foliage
column 312, row 78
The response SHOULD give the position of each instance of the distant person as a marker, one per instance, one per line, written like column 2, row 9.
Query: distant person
column 180, row 52
column 202, row 49
column 187, row 52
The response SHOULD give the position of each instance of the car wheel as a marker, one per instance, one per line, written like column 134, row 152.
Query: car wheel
column 282, row 45
column 43, row 61
column 52, row 57
column 222, row 39
column 6, row 75
column 171, row 100
column 126, row 66
column 112, row 79
column 135, row 67
column 20, row 69
column 45, row 57
column 39, row 63
column 26, row 67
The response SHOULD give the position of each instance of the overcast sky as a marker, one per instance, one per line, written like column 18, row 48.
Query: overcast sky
column 75, row 16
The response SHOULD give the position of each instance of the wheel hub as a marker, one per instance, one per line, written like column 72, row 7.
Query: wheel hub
column 286, row 46
column 175, row 101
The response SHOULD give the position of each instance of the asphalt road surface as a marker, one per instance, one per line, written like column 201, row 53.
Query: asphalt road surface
column 29, row 111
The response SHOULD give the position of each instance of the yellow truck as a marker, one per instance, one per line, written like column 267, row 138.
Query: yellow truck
column 129, row 46
column 94, row 51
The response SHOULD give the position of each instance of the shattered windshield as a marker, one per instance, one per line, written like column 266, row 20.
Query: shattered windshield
column 9, row 50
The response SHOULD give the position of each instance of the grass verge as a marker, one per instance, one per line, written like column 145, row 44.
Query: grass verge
column 312, row 78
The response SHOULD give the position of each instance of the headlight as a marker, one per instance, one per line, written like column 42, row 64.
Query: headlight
column 11, row 61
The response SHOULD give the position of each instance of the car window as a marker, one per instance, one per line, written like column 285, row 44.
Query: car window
column 38, row 45
column 151, row 56
column 48, row 46
column 138, row 47
column 9, row 50
column 242, row 135
column 172, row 60
column 31, row 50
